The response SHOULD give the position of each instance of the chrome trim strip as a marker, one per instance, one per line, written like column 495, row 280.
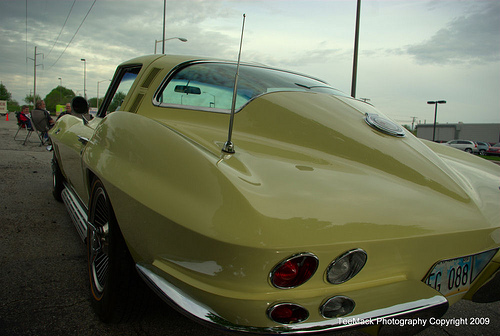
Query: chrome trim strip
column 77, row 213
column 205, row 315
column 176, row 298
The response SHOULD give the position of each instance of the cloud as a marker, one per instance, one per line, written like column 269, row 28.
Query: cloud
column 469, row 39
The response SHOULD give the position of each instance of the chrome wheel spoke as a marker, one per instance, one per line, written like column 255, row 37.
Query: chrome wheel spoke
column 99, row 231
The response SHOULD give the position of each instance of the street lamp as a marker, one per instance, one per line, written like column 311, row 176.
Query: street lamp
column 84, row 78
column 182, row 39
column 435, row 114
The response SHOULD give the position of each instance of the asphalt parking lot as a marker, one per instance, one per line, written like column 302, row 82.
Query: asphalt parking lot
column 43, row 274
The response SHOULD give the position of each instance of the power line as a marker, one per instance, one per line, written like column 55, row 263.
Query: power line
column 81, row 24
column 67, row 17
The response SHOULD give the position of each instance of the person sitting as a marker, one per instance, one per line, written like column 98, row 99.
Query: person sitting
column 42, row 121
column 23, row 119
column 67, row 111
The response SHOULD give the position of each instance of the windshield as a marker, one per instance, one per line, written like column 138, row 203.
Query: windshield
column 210, row 85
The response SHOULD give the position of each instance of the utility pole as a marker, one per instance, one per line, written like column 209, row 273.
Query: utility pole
column 164, row 20
column 413, row 122
column 355, row 57
column 34, row 75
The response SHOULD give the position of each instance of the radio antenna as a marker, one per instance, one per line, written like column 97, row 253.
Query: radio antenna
column 228, row 145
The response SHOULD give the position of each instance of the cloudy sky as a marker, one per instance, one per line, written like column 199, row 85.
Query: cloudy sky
column 409, row 51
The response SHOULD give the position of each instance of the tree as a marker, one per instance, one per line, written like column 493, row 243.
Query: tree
column 117, row 101
column 58, row 96
column 93, row 102
column 4, row 93
column 12, row 105
column 29, row 99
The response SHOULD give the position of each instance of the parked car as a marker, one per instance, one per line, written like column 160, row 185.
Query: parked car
column 494, row 150
column 288, row 216
column 465, row 145
column 482, row 147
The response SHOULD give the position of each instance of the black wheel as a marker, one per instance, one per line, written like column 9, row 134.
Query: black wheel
column 118, row 293
column 482, row 152
column 57, row 180
column 468, row 150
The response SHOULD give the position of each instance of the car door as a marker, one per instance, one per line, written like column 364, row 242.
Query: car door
column 69, row 146
column 71, row 139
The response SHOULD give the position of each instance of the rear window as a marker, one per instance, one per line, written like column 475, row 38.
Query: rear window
column 210, row 85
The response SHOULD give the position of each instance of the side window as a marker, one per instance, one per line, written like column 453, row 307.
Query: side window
column 118, row 90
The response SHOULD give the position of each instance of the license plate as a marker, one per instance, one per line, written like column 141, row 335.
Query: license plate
column 454, row 276
column 451, row 277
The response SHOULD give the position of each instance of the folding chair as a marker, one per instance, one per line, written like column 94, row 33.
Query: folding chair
column 40, row 124
column 29, row 130
column 21, row 124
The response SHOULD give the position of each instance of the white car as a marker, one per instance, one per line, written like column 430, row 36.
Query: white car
column 465, row 145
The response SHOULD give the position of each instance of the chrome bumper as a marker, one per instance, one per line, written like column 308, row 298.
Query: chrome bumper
column 431, row 304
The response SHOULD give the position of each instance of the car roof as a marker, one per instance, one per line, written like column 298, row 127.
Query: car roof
column 172, row 61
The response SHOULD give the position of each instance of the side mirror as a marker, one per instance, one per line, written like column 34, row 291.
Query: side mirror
column 79, row 105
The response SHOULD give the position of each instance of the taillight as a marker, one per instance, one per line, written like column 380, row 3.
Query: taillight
column 294, row 271
column 337, row 306
column 346, row 266
column 287, row 313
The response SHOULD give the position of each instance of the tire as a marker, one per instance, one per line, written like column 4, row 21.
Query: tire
column 468, row 150
column 57, row 180
column 482, row 152
column 117, row 292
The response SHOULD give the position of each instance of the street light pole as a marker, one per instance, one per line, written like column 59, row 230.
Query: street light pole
column 182, row 39
column 84, row 78
column 431, row 102
column 60, row 90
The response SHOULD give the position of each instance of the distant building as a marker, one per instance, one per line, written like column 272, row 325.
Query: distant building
column 474, row 132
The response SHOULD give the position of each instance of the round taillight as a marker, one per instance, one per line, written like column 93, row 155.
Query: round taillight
column 346, row 266
column 294, row 271
column 287, row 313
column 337, row 306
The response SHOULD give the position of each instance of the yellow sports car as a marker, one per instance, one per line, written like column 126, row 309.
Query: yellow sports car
column 264, row 201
